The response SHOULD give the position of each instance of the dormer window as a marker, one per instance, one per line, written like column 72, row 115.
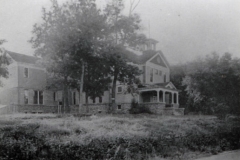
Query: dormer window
column 26, row 72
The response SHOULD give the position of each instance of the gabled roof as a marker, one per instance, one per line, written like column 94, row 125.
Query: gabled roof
column 166, row 85
column 151, row 40
column 146, row 55
column 22, row 57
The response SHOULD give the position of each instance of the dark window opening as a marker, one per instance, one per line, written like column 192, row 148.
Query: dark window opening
column 161, row 96
column 26, row 72
column 175, row 98
column 165, row 78
column 151, row 75
column 38, row 97
column 119, row 106
column 35, row 97
column 119, row 89
column 94, row 100
column 25, row 96
column 74, row 98
column 100, row 99
column 54, row 96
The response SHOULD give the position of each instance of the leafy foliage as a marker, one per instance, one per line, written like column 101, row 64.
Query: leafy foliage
column 210, row 85
column 138, row 108
column 82, row 47
column 4, row 62
column 122, row 32
column 70, row 35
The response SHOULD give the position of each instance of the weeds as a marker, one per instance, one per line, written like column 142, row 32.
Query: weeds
column 115, row 137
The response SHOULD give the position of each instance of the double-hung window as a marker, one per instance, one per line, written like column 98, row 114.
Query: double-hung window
column 151, row 75
column 25, row 96
column 38, row 97
column 26, row 74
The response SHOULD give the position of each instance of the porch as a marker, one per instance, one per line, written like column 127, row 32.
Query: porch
column 165, row 98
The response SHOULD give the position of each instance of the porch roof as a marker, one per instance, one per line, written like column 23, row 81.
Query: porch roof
column 158, row 86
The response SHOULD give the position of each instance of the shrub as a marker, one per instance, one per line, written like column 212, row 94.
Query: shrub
column 138, row 108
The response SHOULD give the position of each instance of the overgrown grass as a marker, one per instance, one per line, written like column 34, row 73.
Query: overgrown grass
column 51, row 136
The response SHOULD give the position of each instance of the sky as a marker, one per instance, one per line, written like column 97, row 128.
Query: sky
column 185, row 29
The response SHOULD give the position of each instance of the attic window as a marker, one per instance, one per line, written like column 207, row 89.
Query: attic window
column 26, row 72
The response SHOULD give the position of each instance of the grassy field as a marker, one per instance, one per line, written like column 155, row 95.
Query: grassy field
column 52, row 136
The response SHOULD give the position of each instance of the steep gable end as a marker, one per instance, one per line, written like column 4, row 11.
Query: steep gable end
column 159, row 61
column 170, row 85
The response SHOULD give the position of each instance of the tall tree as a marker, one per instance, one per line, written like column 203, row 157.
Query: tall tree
column 178, row 73
column 4, row 62
column 133, row 5
column 69, row 35
column 123, row 29
column 212, row 84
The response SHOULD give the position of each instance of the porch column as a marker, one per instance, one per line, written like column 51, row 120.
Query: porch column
column 172, row 97
column 157, row 96
column 164, row 100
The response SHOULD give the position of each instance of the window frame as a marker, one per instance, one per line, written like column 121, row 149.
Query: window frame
column 36, row 97
column 160, row 73
column 151, row 74
column 26, row 74
column 119, row 107
column 120, row 90
column 26, row 96
column 154, row 99
column 100, row 99
column 54, row 96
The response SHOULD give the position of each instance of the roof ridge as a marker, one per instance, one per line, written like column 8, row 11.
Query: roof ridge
column 18, row 57
column 20, row 54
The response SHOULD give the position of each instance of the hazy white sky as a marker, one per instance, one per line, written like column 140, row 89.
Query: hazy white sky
column 185, row 29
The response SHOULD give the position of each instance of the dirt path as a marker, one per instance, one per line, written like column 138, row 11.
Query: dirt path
column 231, row 155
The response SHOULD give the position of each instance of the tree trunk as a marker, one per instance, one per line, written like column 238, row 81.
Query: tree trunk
column 65, row 96
column 87, row 109
column 81, row 88
column 114, row 90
